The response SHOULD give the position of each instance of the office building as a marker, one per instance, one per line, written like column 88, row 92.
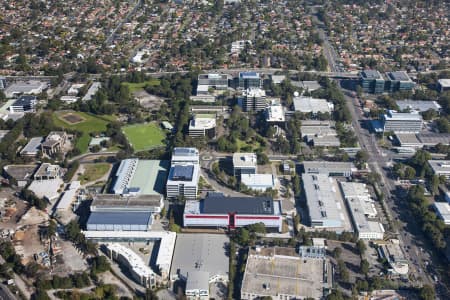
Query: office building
column 418, row 105
column 443, row 85
column 440, row 167
column 184, row 174
column 253, row 99
column 140, row 177
column 319, row 133
column 324, row 207
column 275, row 113
column 259, row 182
column 280, row 273
column 139, row 270
column 212, row 81
column 443, row 211
column 244, row 163
column 371, row 81
column 25, row 104
column 329, row 168
column 31, row 87
column 312, row 105
column 398, row 81
column 246, row 80
column 401, row 122
column 216, row 210
column 203, row 125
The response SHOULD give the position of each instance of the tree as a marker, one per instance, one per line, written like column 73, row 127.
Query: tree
column 361, row 247
column 427, row 292
column 337, row 252
column 364, row 266
column 435, row 184
column 361, row 158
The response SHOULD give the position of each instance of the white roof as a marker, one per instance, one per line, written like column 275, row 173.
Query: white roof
column 312, row 105
column 202, row 123
column 166, row 247
column 392, row 115
column 134, row 260
column 244, row 160
column 440, row 166
column 444, row 82
column 443, row 209
column 66, row 200
column 254, row 92
column 275, row 113
column 258, row 180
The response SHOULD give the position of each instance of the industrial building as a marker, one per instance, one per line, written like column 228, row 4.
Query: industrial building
column 31, row 149
column 398, row 81
column 312, row 105
column 360, row 208
column 166, row 241
column 440, row 167
column 281, row 274
column 329, row 168
column 68, row 197
column 443, row 211
column 320, row 133
column 418, row 105
column 253, row 99
column 138, row 269
column 275, row 113
column 31, row 87
column 127, row 203
column 247, row 80
column 184, row 174
column 324, row 207
column 423, row 139
column 393, row 253
column 216, row 210
column 259, row 182
column 119, row 221
column 371, row 81
column 200, row 260
column 443, row 85
column 140, row 177
column 203, row 125
column 401, row 122
column 244, row 163
column 25, row 104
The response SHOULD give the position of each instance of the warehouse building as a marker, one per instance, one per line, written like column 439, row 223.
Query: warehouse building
column 140, row 177
column 320, row 134
column 259, row 182
column 216, row 210
column 119, row 221
column 138, row 269
column 31, row 87
column 244, row 163
column 203, row 125
column 200, row 253
column 312, row 105
column 345, row 169
column 358, row 203
column 127, row 203
column 184, row 174
column 440, row 167
column 401, row 122
column 279, row 273
column 443, row 211
column 324, row 207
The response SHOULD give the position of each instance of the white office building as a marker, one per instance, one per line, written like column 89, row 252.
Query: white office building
column 244, row 163
column 203, row 125
column 184, row 174
column 401, row 122
column 312, row 105
column 259, row 182
column 441, row 167
column 275, row 112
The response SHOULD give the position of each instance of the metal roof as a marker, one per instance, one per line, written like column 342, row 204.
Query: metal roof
column 217, row 203
column 371, row 74
column 121, row 218
column 398, row 75
column 33, row 145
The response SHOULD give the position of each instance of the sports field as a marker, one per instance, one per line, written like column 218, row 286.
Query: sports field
column 86, row 123
column 144, row 136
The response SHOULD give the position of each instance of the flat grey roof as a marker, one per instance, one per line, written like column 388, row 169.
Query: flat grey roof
column 433, row 138
column 398, row 75
column 105, row 201
column 197, row 280
column 20, row 172
column 326, row 167
column 371, row 74
column 241, row 159
column 440, row 166
column 396, row 116
column 33, row 145
column 122, row 218
column 217, row 203
column 200, row 252
column 419, row 105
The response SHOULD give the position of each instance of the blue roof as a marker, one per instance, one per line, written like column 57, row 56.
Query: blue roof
column 24, row 100
column 248, row 75
column 181, row 173
column 181, row 151
column 122, row 218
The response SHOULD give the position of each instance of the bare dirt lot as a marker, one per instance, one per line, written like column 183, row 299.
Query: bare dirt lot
column 148, row 101
column 72, row 118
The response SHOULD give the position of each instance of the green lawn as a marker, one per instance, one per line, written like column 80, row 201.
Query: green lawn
column 93, row 172
column 90, row 123
column 138, row 86
column 144, row 136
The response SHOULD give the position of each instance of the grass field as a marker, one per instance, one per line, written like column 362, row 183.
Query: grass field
column 144, row 136
column 138, row 86
column 93, row 172
column 90, row 123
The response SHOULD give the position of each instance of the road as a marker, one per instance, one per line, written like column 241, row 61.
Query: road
column 378, row 160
